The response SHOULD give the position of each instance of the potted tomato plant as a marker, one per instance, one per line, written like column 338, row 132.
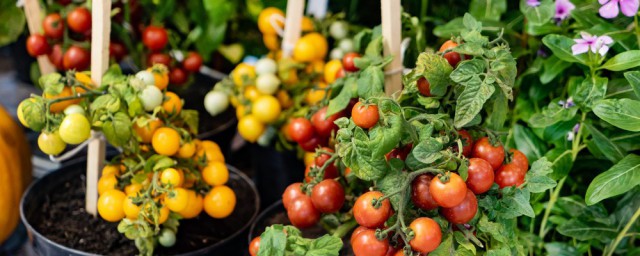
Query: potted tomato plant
column 422, row 172
column 163, row 175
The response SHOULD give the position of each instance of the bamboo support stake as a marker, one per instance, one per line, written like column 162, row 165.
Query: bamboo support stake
column 391, row 42
column 100, row 32
column 292, row 26
column 33, row 13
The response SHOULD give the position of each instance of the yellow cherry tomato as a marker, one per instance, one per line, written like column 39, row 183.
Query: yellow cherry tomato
column 307, row 24
column 210, row 151
column 187, row 150
column 284, row 99
column 215, row 174
column 316, row 66
column 251, row 93
column 106, row 183
column 266, row 16
column 145, row 132
column 110, row 205
column 166, row 141
column 132, row 188
column 241, row 111
column 51, row 143
column 131, row 210
column 266, row 109
column 160, row 75
column 177, row 200
column 171, row 176
column 250, row 128
column 172, row 103
column 110, row 170
column 314, row 96
column 331, row 69
column 243, row 74
column 220, row 202
column 271, row 41
column 194, row 206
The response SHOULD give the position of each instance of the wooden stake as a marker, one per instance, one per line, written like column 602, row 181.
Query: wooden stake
column 391, row 41
column 33, row 12
column 100, row 32
column 292, row 26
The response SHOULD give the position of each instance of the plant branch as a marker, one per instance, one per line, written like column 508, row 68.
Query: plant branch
column 622, row 233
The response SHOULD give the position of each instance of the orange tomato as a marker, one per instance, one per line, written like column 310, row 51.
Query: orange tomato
column 215, row 174
column 145, row 132
column 172, row 103
column 60, row 106
column 166, row 141
column 264, row 20
column 194, row 207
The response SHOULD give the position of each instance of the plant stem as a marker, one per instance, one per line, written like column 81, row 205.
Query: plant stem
column 547, row 211
column 622, row 233
column 635, row 21
column 343, row 229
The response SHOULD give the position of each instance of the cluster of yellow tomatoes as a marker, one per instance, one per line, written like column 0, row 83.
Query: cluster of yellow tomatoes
column 264, row 91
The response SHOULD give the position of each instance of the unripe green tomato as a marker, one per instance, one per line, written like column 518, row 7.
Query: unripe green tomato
column 167, row 238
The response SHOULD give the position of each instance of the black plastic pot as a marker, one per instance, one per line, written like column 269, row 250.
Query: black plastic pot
column 229, row 232
column 274, row 171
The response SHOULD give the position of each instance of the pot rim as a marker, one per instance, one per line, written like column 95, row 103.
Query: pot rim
column 32, row 230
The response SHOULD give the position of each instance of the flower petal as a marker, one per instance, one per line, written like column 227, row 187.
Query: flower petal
column 585, row 35
column 629, row 7
column 606, row 40
column 603, row 50
column 579, row 48
column 603, row 1
column 609, row 10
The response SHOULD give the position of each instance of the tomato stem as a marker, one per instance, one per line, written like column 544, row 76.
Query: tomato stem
column 343, row 229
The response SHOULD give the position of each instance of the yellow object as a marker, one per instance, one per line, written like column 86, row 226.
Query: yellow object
column 331, row 69
column 131, row 210
column 266, row 109
column 194, row 207
column 106, row 183
column 145, row 132
column 310, row 47
column 187, row 150
column 110, row 205
column 111, row 170
column 178, row 200
column 264, row 20
column 210, row 151
column 160, row 75
column 215, row 174
column 251, row 93
column 314, row 96
column 166, row 141
column 171, row 176
column 271, row 41
column 309, row 158
column 316, row 66
column 220, row 202
column 15, row 161
column 307, row 24
column 172, row 103
column 60, row 106
column 284, row 99
column 132, row 189
column 243, row 73
column 250, row 128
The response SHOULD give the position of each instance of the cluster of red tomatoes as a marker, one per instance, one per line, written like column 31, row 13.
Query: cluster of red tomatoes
column 54, row 26
column 315, row 132
column 155, row 38
column 452, row 57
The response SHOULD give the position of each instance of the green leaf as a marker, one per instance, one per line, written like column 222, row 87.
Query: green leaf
column 620, row 178
column 586, row 231
column 436, row 70
column 540, row 14
column 118, row 129
column 621, row 113
column 467, row 70
column 326, row 245
column 561, row 48
column 470, row 23
column 273, row 242
column 552, row 68
column 590, row 90
column 390, row 184
column 576, row 208
column 51, row 84
column 449, row 29
column 370, row 82
column 606, row 146
column 107, row 102
column 445, row 248
column 386, row 137
column 427, row 151
column 561, row 161
column 13, row 22
column 488, row 10
column 518, row 204
column 163, row 163
column 543, row 29
column 634, row 80
column 33, row 111
column 341, row 101
column 536, row 178
column 471, row 100
column 464, row 242
column 374, row 48
column 527, row 142
column 561, row 249
column 623, row 61
column 496, row 230
column 552, row 114
column 190, row 117
column 498, row 112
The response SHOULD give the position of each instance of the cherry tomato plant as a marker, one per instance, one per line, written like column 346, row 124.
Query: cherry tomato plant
column 164, row 173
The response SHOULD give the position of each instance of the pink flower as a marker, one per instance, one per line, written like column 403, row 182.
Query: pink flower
column 597, row 44
column 610, row 8
column 563, row 9
column 533, row 3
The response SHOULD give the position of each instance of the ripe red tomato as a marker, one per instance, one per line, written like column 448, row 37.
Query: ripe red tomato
column 302, row 213
column 312, row 144
column 155, row 38
column 365, row 116
column 452, row 57
column 79, row 20
column 327, row 196
column 427, row 235
column 509, row 175
column 192, row 62
column 331, row 171
column 448, row 194
column 292, row 192
column 254, row 246
column 324, row 125
column 366, row 244
column 177, row 76
column 463, row 212
column 76, row 58
column 480, row 176
column 53, row 26
column 340, row 73
column 400, row 153
column 55, row 56
column 347, row 62
column 37, row 45
column 366, row 214
column 424, row 87
column 467, row 142
column 117, row 50
column 519, row 159
column 357, row 231
column 420, row 194
column 482, row 148
column 300, row 129
column 159, row 58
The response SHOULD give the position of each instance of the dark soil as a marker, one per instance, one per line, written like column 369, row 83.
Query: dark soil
column 62, row 219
